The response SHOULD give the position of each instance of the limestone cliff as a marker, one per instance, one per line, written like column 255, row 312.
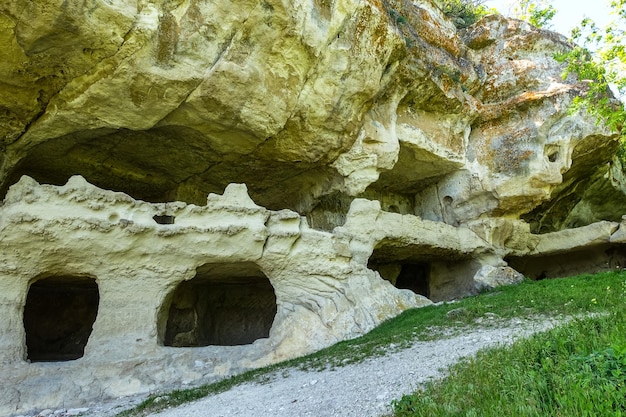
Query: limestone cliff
column 171, row 100
column 359, row 158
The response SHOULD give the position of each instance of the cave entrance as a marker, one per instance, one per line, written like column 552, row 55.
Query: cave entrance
column 599, row 258
column 223, row 305
column 435, row 273
column 414, row 276
column 59, row 316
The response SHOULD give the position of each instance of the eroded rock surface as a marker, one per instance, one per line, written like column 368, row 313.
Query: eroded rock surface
column 359, row 157
column 322, row 291
column 171, row 101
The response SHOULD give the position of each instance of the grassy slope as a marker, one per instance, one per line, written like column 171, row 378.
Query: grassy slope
column 571, row 296
column 578, row 369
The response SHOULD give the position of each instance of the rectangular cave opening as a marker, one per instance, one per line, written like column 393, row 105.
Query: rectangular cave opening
column 222, row 306
column 59, row 316
column 435, row 274
column 415, row 277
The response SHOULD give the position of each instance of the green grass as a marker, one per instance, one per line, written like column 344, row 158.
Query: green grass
column 571, row 296
column 575, row 370
column 578, row 369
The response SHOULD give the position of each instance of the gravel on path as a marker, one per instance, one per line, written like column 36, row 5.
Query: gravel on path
column 363, row 389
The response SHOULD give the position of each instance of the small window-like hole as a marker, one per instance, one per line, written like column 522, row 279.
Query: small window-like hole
column 164, row 219
column 553, row 156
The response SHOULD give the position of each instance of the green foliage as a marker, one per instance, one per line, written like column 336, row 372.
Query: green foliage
column 464, row 12
column 575, row 370
column 537, row 13
column 599, row 60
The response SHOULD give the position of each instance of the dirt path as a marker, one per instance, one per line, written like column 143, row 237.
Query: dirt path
column 363, row 389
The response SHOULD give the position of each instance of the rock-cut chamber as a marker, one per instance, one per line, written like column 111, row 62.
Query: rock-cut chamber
column 414, row 276
column 224, row 305
column 58, row 317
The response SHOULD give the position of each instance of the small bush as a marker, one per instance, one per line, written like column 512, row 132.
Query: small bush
column 464, row 12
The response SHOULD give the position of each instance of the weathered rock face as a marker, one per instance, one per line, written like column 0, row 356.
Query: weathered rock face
column 377, row 144
column 251, row 285
column 171, row 101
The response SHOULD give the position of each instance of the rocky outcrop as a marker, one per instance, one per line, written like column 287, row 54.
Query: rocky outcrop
column 388, row 160
column 105, row 296
column 489, row 277
column 171, row 101
column 595, row 247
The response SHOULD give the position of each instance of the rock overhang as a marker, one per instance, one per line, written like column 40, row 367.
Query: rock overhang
column 367, row 91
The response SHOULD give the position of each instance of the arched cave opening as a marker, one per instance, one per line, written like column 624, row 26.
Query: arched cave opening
column 223, row 305
column 414, row 276
column 58, row 317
